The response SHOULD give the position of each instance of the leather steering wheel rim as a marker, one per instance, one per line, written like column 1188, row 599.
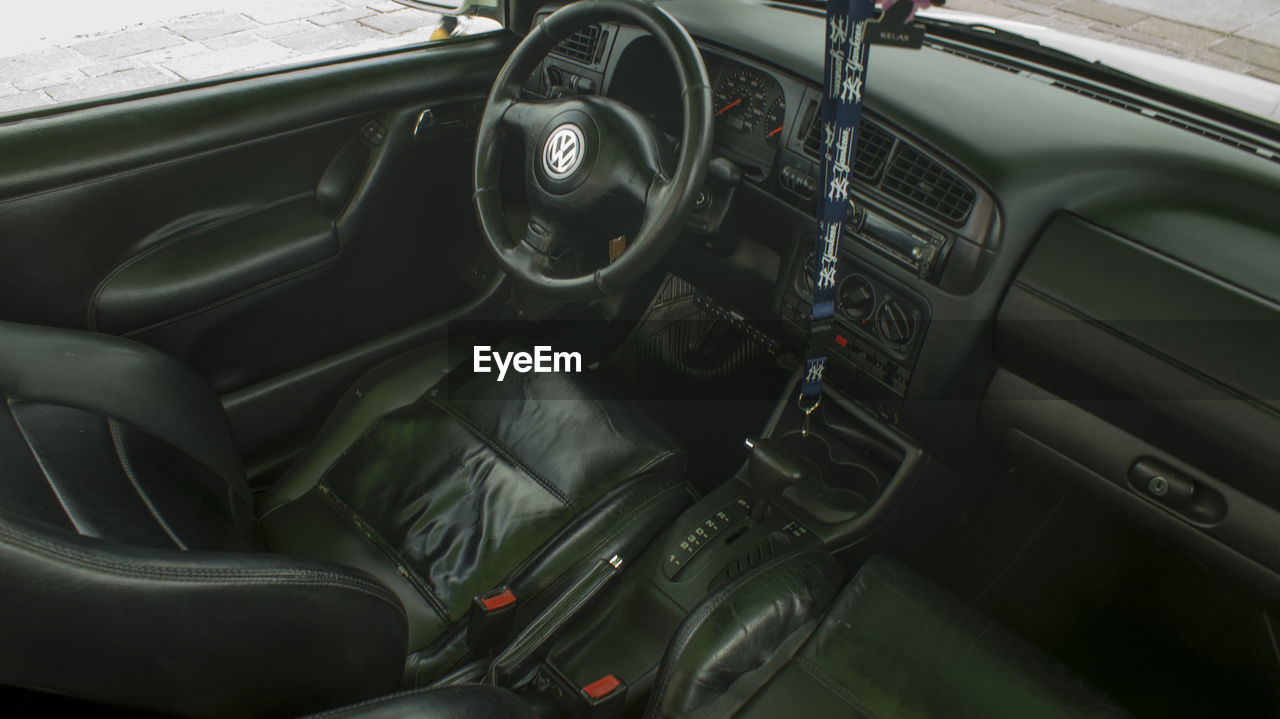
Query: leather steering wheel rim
column 668, row 198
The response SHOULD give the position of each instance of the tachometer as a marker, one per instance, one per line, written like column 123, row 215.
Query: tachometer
column 773, row 122
column 740, row 100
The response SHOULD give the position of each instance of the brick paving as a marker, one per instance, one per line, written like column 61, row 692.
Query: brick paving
column 1239, row 35
column 203, row 45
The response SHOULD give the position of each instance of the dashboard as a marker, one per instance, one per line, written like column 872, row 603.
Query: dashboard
column 1040, row 270
column 914, row 208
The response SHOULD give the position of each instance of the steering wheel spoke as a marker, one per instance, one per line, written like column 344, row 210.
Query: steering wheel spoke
column 530, row 118
column 595, row 168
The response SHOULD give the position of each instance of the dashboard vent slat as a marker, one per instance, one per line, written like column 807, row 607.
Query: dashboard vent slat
column 873, row 148
column 916, row 178
column 582, row 46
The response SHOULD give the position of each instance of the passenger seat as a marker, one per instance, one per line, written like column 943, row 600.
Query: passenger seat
column 890, row 646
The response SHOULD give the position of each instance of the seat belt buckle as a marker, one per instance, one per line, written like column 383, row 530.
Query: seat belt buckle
column 493, row 617
column 602, row 699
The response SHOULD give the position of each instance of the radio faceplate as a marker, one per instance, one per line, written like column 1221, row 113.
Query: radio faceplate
column 920, row 249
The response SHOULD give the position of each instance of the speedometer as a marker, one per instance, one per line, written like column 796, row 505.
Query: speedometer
column 741, row 100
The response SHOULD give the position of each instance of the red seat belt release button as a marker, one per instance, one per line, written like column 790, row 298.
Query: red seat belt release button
column 492, row 620
column 503, row 597
column 603, row 698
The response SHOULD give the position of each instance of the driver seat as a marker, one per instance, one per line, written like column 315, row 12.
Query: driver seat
column 139, row 570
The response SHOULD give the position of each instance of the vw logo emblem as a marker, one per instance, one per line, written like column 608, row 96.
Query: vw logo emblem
column 563, row 152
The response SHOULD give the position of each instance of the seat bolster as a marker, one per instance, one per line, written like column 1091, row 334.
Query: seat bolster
column 466, row 701
column 120, row 378
column 387, row 387
column 203, row 634
column 722, row 652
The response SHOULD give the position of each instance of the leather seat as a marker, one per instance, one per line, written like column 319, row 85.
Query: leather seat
column 139, row 570
column 890, row 645
column 788, row 640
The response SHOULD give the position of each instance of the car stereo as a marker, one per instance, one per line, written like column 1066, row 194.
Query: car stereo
column 919, row 249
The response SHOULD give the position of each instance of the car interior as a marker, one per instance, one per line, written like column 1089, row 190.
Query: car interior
column 249, row 468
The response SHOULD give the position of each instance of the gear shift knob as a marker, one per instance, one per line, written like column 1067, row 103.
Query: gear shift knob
column 771, row 468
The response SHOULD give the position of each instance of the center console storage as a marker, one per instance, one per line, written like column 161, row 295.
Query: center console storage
column 824, row 486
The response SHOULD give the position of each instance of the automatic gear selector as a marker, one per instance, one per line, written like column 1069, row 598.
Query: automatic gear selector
column 771, row 468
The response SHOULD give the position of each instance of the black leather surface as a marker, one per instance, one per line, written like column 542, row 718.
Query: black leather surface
column 114, row 457
column 142, row 490
column 189, row 271
column 459, row 702
column 134, row 384
column 440, row 484
column 142, row 186
column 893, row 645
column 740, row 629
column 208, row 634
column 443, row 485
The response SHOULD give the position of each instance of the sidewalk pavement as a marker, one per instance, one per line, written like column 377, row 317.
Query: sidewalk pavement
column 1238, row 35
column 243, row 36
column 170, row 45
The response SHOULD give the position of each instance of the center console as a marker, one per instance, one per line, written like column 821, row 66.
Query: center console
column 828, row 486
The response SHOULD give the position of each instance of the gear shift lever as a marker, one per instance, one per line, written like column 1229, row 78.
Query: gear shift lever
column 771, row 468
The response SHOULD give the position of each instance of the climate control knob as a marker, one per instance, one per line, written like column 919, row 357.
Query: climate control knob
column 857, row 298
column 895, row 323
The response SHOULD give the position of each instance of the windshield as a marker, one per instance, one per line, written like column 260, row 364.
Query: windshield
column 1228, row 53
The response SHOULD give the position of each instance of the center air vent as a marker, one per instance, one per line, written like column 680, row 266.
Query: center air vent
column 874, row 146
column 583, row 46
column 910, row 175
column 923, row 182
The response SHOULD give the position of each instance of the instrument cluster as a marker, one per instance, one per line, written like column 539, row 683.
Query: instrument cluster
column 750, row 108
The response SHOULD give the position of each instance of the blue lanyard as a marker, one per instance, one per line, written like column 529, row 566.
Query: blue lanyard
column 843, row 83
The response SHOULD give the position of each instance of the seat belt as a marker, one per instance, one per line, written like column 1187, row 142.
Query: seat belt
column 849, row 35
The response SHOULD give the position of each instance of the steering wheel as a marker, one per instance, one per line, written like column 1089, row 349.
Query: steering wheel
column 594, row 167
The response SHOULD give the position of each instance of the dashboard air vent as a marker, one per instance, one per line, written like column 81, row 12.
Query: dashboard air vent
column 923, row 182
column 873, row 147
column 583, row 46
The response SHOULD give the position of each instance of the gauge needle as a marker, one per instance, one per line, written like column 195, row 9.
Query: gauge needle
column 730, row 106
column 774, row 132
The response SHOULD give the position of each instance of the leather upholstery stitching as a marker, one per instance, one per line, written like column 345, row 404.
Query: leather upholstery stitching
column 374, row 423
column 655, row 461
column 114, row 428
column 370, row 534
column 503, row 452
column 251, row 577
column 836, row 688
column 40, row 463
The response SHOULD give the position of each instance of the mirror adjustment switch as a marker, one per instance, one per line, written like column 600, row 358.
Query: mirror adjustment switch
column 374, row 133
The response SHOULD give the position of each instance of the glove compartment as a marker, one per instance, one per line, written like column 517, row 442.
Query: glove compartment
column 1153, row 387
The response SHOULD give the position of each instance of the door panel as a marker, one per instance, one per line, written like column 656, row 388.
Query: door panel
column 254, row 226
column 248, row 226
